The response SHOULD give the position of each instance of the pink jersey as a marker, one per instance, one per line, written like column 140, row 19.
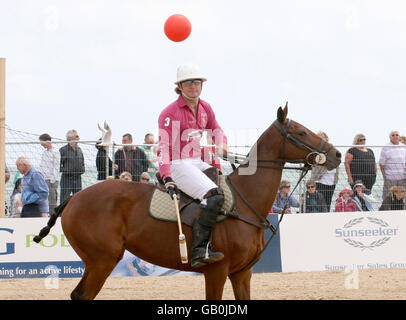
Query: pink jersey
column 180, row 132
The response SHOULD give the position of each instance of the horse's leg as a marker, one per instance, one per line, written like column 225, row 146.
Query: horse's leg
column 93, row 279
column 241, row 282
column 215, row 277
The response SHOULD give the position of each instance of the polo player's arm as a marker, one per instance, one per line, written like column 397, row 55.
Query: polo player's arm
column 165, row 123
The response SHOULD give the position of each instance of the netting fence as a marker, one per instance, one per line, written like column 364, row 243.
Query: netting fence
column 19, row 143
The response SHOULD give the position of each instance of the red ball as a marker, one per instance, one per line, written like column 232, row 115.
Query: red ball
column 177, row 27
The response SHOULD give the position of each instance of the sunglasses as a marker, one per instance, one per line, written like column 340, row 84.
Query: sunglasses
column 395, row 135
column 190, row 82
column 145, row 179
column 286, row 187
column 310, row 187
column 362, row 139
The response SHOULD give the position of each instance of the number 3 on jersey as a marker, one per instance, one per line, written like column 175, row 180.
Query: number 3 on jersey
column 167, row 121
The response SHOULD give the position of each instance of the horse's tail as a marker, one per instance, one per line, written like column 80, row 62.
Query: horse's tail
column 51, row 222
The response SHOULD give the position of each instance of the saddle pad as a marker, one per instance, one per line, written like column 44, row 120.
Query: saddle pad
column 161, row 206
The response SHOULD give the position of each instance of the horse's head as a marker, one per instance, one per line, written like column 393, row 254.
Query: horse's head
column 301, row 143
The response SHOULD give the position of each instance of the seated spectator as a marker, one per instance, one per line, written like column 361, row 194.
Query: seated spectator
column 313, row 200
column 16, row 204
column 344, row 202
column 145, row 178
column 362, row 200
column 126, row 176
column 282, row 199
column 395, row 201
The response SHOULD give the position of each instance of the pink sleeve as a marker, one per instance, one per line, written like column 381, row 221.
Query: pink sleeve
column 165, row 137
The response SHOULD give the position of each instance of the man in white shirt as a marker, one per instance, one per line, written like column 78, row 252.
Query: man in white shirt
column 49, row 167
column 392, row 162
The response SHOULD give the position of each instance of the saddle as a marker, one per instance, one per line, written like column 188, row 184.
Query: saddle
column 162, row 207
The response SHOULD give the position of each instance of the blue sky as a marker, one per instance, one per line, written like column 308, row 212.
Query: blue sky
column 340, row 64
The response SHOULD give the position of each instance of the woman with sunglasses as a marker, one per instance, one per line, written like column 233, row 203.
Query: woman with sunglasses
column 360, row 163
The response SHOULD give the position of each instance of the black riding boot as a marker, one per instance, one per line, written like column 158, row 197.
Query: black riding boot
column 202, row 229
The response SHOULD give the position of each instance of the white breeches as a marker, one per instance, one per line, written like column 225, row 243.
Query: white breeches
column 189, row 177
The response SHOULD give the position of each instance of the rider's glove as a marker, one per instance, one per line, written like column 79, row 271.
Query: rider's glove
column 171, row 187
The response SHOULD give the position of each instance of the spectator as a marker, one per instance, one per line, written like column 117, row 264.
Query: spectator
column 126, row 176
column 403, row 139
column 130, row 159
column 150, row 153
column 344, row 202
column 360, row 163
column 362, row 200
column 314, row 201
column 16, row 203
column 392, row 163
column 72, row 166
column 49, row 166
column 326, row 180
column 395, row 201
column 145, row 178
column 282, row 199
column 34, row 190
column 101, row 162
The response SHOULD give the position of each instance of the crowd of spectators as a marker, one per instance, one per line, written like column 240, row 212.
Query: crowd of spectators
column 361, row 169
column 59, row 173
column 131, row 163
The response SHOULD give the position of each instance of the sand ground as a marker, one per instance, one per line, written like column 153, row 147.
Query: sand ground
column 369, row 284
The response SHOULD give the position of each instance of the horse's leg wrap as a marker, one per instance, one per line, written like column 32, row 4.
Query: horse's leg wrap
column 202, row 229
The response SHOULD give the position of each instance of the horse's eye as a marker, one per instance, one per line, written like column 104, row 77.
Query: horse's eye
column 302, row 133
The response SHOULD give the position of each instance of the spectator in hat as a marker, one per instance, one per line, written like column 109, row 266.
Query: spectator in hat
column 344, row 202
column 362, row 200
column 395, row 201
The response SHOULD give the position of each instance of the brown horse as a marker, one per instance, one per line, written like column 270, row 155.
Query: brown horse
column 104, row 220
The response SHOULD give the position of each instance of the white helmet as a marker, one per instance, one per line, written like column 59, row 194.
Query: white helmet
column 188, row 72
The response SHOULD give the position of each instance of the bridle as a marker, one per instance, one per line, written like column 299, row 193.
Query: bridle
column 317, row 156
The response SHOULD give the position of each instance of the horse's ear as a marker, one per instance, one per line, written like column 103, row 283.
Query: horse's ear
column 282, row 114
column 285, row 110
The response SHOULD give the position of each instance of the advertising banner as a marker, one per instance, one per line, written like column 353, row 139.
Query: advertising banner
column 21, row 257
column 339, row 241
